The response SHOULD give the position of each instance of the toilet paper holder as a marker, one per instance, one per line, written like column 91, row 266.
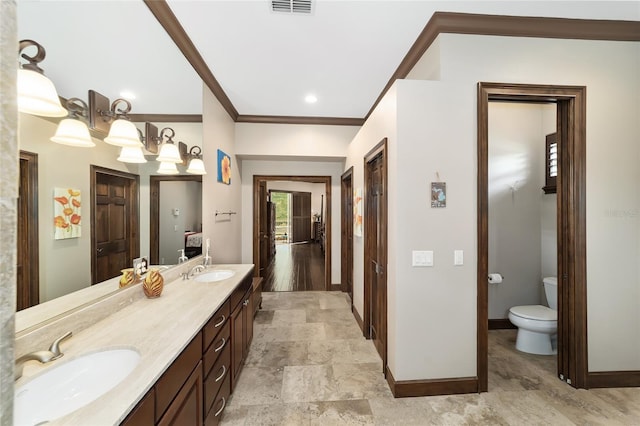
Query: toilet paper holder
column 495, row 278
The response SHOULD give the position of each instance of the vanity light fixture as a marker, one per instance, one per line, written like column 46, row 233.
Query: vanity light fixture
column 112, row 119
column 36, row 93
column 168, row 168
column 196, row 165
column 72, row 131
column 169, row 152
column 131, row 154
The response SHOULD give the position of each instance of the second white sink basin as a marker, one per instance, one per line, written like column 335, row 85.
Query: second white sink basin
column 71, row 385
column 213, row 276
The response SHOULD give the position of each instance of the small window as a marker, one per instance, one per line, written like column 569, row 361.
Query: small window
column 551, row 164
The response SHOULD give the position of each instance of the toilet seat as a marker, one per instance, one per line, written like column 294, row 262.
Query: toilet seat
column 535, row 312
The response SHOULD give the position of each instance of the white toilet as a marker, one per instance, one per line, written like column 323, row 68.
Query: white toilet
column 537, row 324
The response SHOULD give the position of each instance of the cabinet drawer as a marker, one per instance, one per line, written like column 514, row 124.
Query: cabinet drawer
column 219, row 345
column 215, row 414
column 238, row 293
column 169, row 384
column 215, row 324
column 214, row 381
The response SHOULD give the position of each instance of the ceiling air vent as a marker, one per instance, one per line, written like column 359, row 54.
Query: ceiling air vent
column 291, row 6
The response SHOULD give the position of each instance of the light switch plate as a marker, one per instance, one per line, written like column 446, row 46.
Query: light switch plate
column 458, row 257
column 422, row 258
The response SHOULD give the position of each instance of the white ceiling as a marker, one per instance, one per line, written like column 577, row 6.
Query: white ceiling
column 266, row 62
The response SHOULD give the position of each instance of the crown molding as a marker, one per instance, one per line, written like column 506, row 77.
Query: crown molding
column 166, row 118
column 283, row 119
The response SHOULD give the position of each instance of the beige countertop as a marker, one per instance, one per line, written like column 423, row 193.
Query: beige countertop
column 159, row 329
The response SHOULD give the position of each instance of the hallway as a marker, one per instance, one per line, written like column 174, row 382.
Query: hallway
column 295, row 267
column 310, row 365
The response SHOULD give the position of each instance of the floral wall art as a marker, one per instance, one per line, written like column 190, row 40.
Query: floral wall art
column 66, row 213
column 224, row 168
column 357, row 212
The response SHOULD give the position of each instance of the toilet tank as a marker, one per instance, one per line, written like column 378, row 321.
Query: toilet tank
column 551, row 291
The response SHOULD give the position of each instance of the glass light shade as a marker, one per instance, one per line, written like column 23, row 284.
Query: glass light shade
column 123, row 133
column 196, row 167
column 73, row 132
column 169, row 153
column 131, row 154
column 37, row 95
column 168, row 168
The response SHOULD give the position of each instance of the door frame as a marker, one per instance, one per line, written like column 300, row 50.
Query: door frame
column 571, row 223
column 346, row 231
column 29, row 247
column 256, row 218
column 154, row 210
column 132, row 215
column 379, row 150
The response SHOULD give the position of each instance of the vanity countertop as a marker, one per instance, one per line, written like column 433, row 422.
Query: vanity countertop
column 159, row 329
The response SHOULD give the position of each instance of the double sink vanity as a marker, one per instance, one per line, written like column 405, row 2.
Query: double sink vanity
column 174, row 359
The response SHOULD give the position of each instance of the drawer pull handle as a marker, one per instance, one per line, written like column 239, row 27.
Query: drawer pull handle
column 224, row 402
column 224, row 371
column 219, row 348
column 246, row 302
column 221, row 322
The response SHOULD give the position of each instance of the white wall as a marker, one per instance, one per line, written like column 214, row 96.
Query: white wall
column 381, row 124
column 611, row 73
column 291, row 168
column 224, row 231
column 516, row 177
column 293, row 140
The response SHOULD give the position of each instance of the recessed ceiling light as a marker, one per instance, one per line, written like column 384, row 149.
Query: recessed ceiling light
column 311, row 99
column 128, row 95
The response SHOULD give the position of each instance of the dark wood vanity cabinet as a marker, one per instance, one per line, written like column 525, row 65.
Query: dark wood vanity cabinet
column 195, row 389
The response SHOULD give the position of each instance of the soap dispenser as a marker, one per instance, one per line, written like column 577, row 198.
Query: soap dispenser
column 182, row 257
column 206, row 260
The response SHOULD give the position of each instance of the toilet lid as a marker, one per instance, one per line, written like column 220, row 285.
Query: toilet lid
column 535, row 312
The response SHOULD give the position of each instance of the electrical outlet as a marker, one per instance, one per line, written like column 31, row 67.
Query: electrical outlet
column 422, row 258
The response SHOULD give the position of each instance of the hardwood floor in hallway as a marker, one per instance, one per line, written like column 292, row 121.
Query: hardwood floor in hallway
column 295, row 267
column 309, row 365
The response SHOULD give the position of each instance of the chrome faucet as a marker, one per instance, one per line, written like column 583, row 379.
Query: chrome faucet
column 42, row 356
column 192, row 272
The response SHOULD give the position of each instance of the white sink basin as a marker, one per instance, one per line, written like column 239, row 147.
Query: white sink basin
column 213, row 276
column 71, row 385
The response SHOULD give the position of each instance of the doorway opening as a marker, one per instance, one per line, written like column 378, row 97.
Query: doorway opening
column 571, row 222
column 282, row 217
column 522, row 229
column 303, row 262
column 173, row 230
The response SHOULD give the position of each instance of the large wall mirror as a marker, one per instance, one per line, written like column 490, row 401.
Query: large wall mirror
column 109, row 54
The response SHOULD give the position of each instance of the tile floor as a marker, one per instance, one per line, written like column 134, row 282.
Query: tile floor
column 309, row 365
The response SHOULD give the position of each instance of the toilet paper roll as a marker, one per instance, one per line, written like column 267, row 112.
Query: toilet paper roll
column 495, row 278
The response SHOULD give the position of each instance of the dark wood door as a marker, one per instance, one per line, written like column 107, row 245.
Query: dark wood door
column 347, row 234
column 271, row 226
column 301, row 217
column 114, row 224
column 237, row 347
column 375, row 217
column 263, row 227
column 27, row 280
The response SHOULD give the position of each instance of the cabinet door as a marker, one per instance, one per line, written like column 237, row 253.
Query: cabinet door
column 237, row 343
column 144, row 413
column 186, row 409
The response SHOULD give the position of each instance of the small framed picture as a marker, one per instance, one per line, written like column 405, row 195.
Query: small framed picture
column 438, row 194
column 224, row 168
